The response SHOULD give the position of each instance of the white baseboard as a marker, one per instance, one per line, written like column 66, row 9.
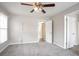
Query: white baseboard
column 23, row 43
column 58, row 45
column 3, row 48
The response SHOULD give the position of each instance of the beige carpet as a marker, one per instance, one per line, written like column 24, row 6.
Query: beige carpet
column 37, row 49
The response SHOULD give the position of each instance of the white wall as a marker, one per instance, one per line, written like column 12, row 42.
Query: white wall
column 78, row 33
column 23, row 29
column 59, row 30
column 59, row 25
column 78, row 29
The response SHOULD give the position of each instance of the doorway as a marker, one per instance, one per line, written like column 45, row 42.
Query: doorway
column 71, row 30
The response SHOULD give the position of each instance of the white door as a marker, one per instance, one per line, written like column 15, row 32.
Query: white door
column 49, row 31
column 71, row 31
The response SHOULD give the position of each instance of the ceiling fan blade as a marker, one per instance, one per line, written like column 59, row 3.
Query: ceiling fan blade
column 48, row 5
column 43, row 11
column 26, row 4
column 32, row 11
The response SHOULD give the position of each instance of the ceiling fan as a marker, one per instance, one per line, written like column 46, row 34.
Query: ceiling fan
column 38, row 6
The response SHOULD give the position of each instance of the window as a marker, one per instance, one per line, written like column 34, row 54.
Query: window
column 3, row 28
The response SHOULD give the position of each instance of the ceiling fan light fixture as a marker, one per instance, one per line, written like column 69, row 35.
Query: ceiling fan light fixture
column 36, row 9
column 40, row 9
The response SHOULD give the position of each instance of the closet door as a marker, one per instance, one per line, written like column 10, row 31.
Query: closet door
column 49, row 31
column 70, row 31
column 29, row 31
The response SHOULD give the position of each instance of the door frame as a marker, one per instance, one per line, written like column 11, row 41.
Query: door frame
column 65, row 32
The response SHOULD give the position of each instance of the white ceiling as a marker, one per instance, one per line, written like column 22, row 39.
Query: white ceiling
column 18, row 9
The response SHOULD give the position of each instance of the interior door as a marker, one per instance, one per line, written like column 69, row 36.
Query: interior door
column 49, row 31
column 71, row 31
